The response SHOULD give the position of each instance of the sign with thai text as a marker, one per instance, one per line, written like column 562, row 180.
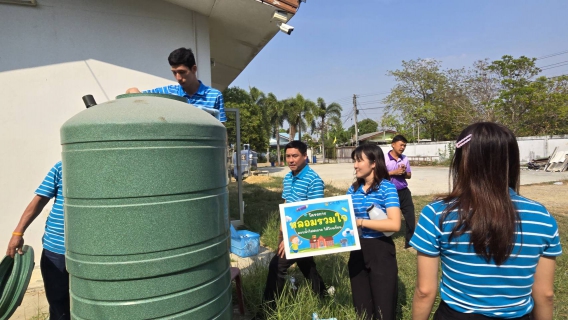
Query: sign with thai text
column 320, row 226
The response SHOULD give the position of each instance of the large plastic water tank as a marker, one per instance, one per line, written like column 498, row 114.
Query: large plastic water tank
column 146, row 211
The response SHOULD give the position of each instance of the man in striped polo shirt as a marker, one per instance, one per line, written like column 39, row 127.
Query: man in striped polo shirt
column 52, row 264
column 184, row 69
column 300, row 184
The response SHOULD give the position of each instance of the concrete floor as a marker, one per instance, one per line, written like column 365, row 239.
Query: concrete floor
column 425, row 180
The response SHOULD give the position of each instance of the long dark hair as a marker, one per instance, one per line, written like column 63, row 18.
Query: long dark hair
column 376, row 156
column 482, row 172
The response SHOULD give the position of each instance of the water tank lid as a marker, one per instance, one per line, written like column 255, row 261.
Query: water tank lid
column 158, row 95
column 142, row 117
column 15, row 274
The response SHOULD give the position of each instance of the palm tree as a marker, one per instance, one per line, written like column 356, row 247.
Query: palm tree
column 259, row 98
column 276, row 115
column 329, row 115
column 300, row 113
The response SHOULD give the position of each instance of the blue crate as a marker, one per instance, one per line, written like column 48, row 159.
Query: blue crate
column 246, row 243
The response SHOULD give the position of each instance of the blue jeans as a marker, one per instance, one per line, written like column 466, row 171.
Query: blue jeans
column 56, row 283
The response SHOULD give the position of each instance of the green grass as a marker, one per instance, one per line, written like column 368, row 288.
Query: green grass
column 261, row 215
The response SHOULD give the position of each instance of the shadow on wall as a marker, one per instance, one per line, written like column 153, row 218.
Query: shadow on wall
column 128, row 34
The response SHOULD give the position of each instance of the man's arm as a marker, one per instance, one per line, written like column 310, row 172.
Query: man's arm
column 281, row 251
column 33, row 209
column 220, row 105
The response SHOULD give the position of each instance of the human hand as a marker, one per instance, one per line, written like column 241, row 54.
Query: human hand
column 15, row 245
column 281, row 252
column 133, row 90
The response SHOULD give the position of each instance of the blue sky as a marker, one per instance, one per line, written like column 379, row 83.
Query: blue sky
column 345, row 47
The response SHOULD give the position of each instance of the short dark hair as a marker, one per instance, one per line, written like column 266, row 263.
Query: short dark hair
column 182, row 56
column 297, row 144
column 398, row 138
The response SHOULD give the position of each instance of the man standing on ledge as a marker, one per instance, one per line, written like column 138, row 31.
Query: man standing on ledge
column 300, row 184
column 399, row 170
column 182, row 62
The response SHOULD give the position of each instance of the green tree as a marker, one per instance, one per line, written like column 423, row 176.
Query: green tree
column 276, row 116
column 548, row 114
column 329, row 115
column 252, row 125
column 338, row 134
column 365, row 126
column 419, row 98
column 517, row 95
column 300, row 114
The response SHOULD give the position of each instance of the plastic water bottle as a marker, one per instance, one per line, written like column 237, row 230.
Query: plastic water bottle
column 376, row 213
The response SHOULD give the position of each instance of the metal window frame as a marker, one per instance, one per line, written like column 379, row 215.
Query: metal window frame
column 239, row 222
column 31, row 3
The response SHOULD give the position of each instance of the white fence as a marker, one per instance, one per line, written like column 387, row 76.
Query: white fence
column 529, row 147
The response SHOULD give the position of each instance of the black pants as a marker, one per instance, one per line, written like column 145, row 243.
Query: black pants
column 278, row 270
column 373, row 272
column 56, row 283
column 407, row 208
column 444, row 312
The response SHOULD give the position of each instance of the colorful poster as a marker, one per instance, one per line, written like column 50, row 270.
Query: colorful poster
column 320, row 226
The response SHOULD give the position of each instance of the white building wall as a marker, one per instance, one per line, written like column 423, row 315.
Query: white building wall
column 53, row 54
column 529, row 147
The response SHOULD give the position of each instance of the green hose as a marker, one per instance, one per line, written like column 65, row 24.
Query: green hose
column 15, row 274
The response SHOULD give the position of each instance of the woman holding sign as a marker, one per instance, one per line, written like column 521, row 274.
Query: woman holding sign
column 373, row 270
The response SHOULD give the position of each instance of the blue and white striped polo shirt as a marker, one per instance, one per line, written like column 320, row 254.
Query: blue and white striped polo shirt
column 52, row 186
column 384, row 197
column 205, row 97
column 470, row 284
column 306, row 185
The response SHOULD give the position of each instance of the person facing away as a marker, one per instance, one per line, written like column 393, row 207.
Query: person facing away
column 497, row 248
column 52, row 263
column 184, row 69
column 373, row 270
column 300, row 184
column 399, row 171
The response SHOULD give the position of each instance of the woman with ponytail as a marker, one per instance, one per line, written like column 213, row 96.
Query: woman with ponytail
column 497, row 248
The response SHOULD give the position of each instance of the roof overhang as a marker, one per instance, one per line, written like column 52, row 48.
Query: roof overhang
column 238, row 30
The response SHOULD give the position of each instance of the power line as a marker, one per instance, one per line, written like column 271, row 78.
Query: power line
column 374, row 108
column 370, row 102
column 372, row 94
column 555, row 65
column 552, row 55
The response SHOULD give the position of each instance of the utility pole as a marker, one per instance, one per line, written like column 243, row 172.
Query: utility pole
column 355, row 112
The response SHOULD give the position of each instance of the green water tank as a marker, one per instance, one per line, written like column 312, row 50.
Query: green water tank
column 146, row 211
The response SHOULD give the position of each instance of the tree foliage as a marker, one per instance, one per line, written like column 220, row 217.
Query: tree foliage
column 440, row 103
column 253, row 125
column 365, row 126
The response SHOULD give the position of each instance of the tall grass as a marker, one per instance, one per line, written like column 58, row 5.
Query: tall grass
column 262, row 216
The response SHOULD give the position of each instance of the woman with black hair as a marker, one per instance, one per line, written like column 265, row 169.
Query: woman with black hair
column 373, row 269
column 497, row 248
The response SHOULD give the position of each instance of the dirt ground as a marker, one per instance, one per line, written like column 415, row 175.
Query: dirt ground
column 553, row 197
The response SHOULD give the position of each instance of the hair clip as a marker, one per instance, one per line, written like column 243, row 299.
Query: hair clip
column 463, row 141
